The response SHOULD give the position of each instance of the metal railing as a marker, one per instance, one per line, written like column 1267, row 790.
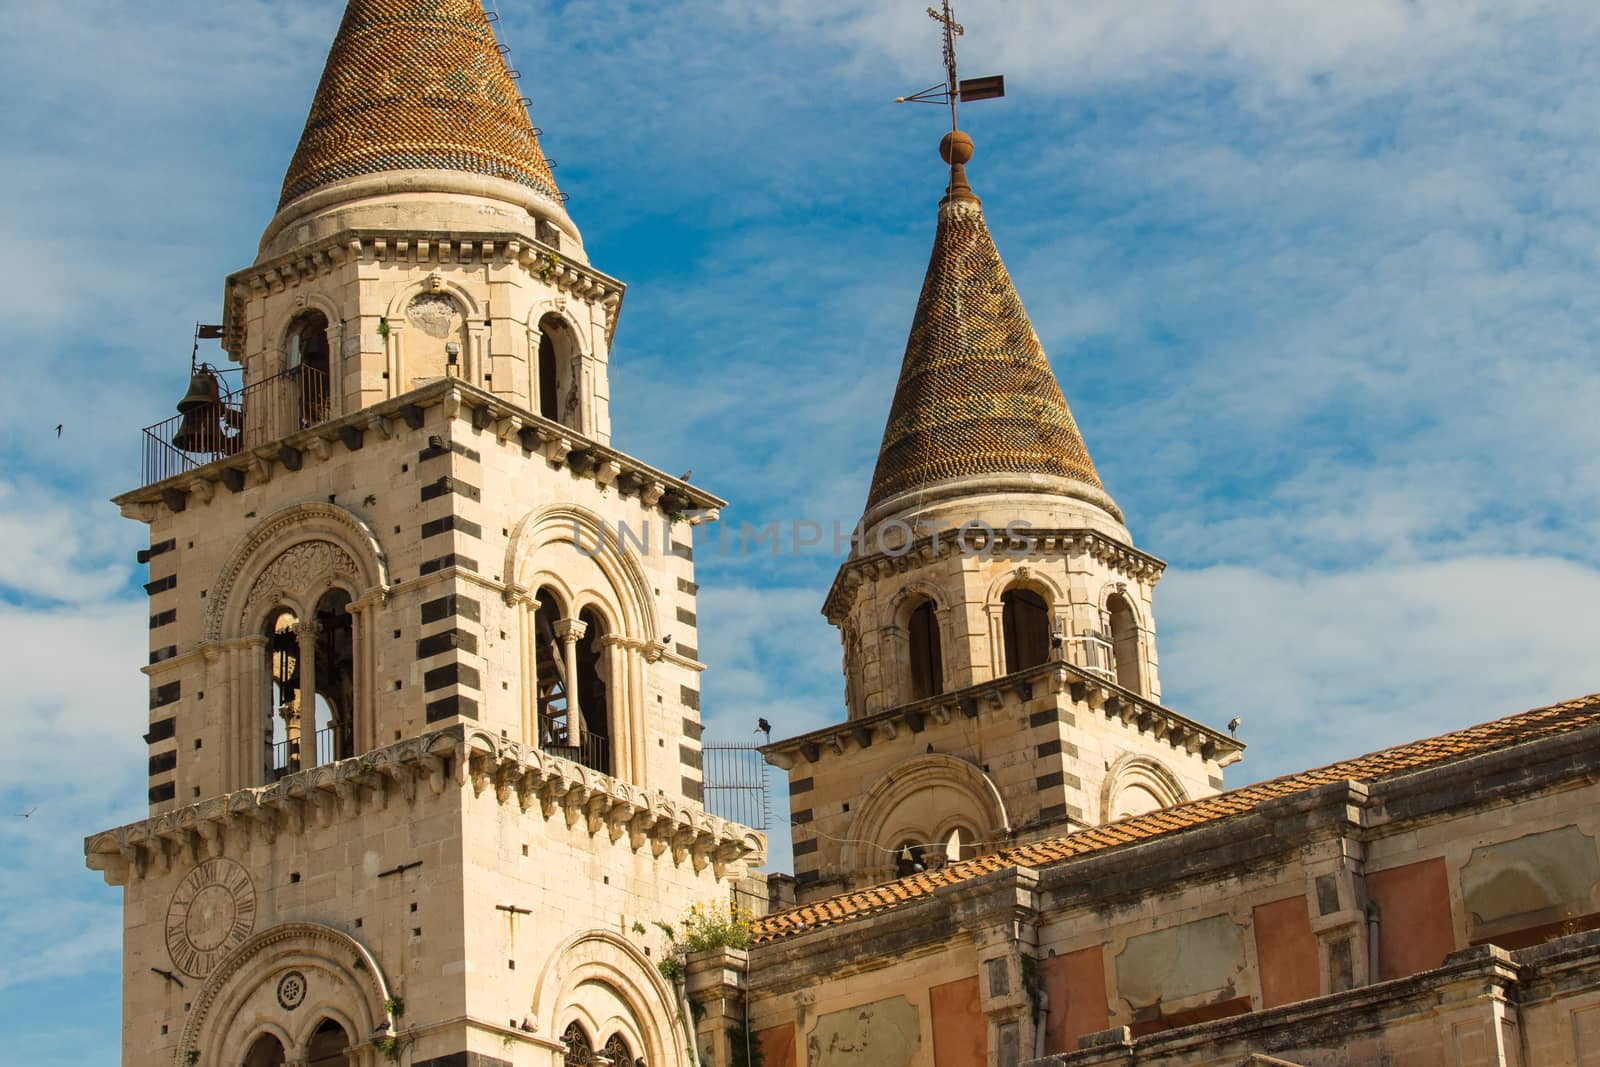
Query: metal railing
column 285, row 757
column 255, row 415
column 1092, row 654
column 592, row 750
column 736, row 784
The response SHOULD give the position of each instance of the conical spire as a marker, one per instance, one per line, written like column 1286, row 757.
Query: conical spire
column 976, row 395
column 416, row 84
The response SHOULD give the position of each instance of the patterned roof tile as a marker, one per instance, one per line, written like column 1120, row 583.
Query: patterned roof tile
column 1529, row 726
column 416, row 84
column 976, row 394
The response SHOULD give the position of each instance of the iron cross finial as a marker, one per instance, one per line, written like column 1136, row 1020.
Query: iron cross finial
column 952, row 29
column 954, row 90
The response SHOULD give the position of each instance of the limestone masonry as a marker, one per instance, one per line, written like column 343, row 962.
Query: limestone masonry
column 425, row 752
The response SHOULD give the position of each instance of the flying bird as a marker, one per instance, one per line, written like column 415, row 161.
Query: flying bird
column 1233, row 726
column 58, row 429
column 763, row 727
column 29, row 813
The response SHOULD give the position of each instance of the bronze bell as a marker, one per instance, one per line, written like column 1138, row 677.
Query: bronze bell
column 201, row 408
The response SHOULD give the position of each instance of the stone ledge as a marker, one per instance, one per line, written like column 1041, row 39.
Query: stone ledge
column 561, row 446
column 1082, row 686
column 1034, row 542
column 586, row 798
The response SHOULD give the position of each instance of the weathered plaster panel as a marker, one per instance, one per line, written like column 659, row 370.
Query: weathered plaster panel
column 1181, row 962
column 884, row 1033
column 1535, row 879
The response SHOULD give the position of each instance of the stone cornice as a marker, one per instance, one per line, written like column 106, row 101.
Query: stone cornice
column 517, row 774
column 560, row 445
column 1026, row 544
column 1082, row 686
column 421, row 248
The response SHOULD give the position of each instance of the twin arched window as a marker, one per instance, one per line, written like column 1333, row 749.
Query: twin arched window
column 327, row 1048
column 581, row 1052
column 310, row 717
column 574, row 684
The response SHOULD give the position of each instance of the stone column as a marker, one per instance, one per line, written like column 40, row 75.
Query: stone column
column 570, row 632
column 306, row 696
column 618, row 690
column 997, row 642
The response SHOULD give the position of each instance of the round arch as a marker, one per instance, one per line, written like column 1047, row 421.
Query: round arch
column 341, row 980
column 363, row 567
column 1027, row 578
column 919, row 798
column 470, row 307
column 643, row 1005
column 589, row 537
column 1131, row 779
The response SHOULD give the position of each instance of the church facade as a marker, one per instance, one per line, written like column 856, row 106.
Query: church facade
column 424, row 731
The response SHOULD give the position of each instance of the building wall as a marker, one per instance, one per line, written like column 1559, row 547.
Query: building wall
column 424, row 521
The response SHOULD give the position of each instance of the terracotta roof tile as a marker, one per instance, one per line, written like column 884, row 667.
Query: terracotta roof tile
column 1501, row 733
column 976, row 394
column 412, row 85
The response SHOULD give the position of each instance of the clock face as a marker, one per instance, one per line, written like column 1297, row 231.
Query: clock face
column 212, row 910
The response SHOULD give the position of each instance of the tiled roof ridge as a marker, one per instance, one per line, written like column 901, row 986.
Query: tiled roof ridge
column 1523, row 727
column 976, row 394
column 411, row 86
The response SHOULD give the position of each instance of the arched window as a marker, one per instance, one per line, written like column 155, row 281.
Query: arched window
column 335, row 667
column 558, row 373
column 580, row 1051
column 927, row 663
column 307, row 358
column 618, row 1052
column 549, row 380
column 1025, row 620
column 266, row 1051
column 594, row 693
column 282, row 726
column 911, row 857
column 328, row 1045
column 550, row 664
column 1124, row 642
column 311, row 697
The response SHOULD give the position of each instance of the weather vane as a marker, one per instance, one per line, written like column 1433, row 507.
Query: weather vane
column 953, row 89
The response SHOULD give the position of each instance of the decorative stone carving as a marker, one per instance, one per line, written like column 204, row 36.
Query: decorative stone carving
column 435, row 314
column 302, row 568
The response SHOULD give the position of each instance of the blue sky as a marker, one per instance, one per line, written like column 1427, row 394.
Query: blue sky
column 1317, row 278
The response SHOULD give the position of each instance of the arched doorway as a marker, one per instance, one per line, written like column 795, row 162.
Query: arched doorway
column 307, row 358
column 927, row 658
column 1125, row 642
column 1025, row 620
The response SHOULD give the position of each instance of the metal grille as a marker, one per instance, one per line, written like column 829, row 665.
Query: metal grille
column 736, row 784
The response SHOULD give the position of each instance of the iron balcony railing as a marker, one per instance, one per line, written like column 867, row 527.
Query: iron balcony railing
column 258, row 414
column 1092, row 654
column 592, row 750
column 286, row 755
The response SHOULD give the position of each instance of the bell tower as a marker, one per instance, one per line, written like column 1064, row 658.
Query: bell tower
column 424, row 733
column 996, row 617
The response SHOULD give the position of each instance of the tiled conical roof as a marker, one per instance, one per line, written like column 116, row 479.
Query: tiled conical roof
column 416, row 84
column 976, row 394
